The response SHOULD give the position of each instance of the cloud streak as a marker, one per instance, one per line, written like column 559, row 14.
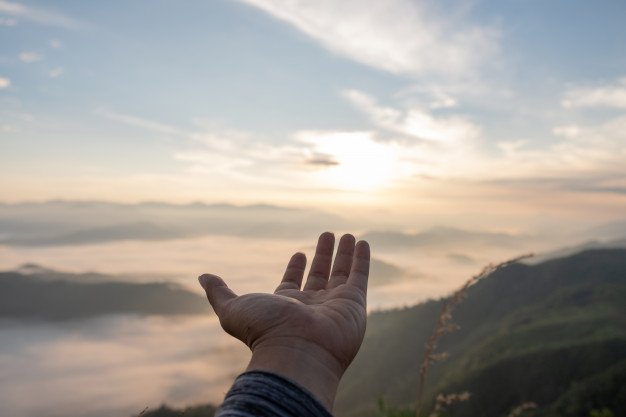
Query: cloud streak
column 29, row 57
column 604, row 96
column 453, row 146
column 399, row 36
column 330, row 159
column 138, row 122
column 405, row 144
column 38, row 15
column 56, row 72
column 415, row 122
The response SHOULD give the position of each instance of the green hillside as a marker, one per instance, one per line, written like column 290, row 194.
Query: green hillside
column 53, row 295
column 546, row 333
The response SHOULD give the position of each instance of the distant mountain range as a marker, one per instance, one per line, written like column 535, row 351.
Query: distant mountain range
column 64, row 223
column 57, row 223
column 441, row 237
column 552, row 333
column 33, row 292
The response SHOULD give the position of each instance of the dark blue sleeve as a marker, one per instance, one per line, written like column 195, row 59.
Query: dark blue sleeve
column 264, row 394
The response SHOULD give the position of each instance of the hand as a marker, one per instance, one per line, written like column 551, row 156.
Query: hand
column 309, row 336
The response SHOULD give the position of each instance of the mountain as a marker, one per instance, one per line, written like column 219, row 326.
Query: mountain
column 441, row 237
column 552, row 333
column 56, row 223
column 570, row 250
column 33, row 292
column 383, row 273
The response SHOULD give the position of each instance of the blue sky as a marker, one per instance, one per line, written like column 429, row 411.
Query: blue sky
column 505, row 119
column 302, row 102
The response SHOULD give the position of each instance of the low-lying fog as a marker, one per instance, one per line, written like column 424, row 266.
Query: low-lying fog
column 118, row 365
column 114, row 366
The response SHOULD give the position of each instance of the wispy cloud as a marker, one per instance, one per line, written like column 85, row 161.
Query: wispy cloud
column 56, row 72
column 584, row 152
column 429, row 144
column 7, row 21
column 416, row 122
column 579, row 157
column 210, row 149
column 242, row 155
column 453, row 147
column 140, row 123
column 322, row 160
column 567, row 131
column 330, row 159
column 406, row 144
column 608, row 96
column 38, row 15
column 4, row 82
column 29, row 56
column 400, row 36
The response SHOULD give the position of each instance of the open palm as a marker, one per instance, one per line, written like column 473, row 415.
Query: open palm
column 327, row 317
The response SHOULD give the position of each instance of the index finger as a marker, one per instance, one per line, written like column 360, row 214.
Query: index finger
column 360, row 266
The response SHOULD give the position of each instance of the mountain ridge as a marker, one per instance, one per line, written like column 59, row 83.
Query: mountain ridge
column 517, row 315
column 39, row 293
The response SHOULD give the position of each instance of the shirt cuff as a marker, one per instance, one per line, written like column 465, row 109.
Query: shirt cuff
column 264, row 394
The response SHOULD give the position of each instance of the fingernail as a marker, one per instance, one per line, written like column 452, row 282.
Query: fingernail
column 203, row 280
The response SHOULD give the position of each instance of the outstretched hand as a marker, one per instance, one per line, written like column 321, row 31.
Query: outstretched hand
column 308, row 335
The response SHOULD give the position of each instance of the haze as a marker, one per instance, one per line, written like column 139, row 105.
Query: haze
column 157, row 140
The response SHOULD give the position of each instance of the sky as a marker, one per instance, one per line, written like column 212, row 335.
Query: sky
column 448, row 133
column 451, row 110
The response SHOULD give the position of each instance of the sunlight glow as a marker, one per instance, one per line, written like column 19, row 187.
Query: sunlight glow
column 354, row 160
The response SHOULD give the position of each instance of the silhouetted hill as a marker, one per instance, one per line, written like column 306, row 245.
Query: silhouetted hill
column 38, row 293
column 553, row 333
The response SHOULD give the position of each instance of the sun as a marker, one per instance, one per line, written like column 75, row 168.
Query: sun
column 355, row 161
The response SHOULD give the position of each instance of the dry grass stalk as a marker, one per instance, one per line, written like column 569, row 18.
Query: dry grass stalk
column 519, row 410
column 445, row 324
column 442, row 401
column 146, row 409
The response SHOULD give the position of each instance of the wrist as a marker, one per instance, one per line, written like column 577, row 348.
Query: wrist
column 302, row 362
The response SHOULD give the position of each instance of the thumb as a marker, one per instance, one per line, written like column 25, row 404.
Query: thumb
column 216, row 290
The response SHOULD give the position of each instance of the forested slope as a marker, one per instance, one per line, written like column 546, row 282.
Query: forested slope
column 550, row 333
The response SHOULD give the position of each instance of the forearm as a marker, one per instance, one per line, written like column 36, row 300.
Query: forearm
column 303, row 363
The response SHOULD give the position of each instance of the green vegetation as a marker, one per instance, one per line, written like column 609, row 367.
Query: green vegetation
column 51, row 295
column 552, row 334
column 547, row 334
column 547, row 340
